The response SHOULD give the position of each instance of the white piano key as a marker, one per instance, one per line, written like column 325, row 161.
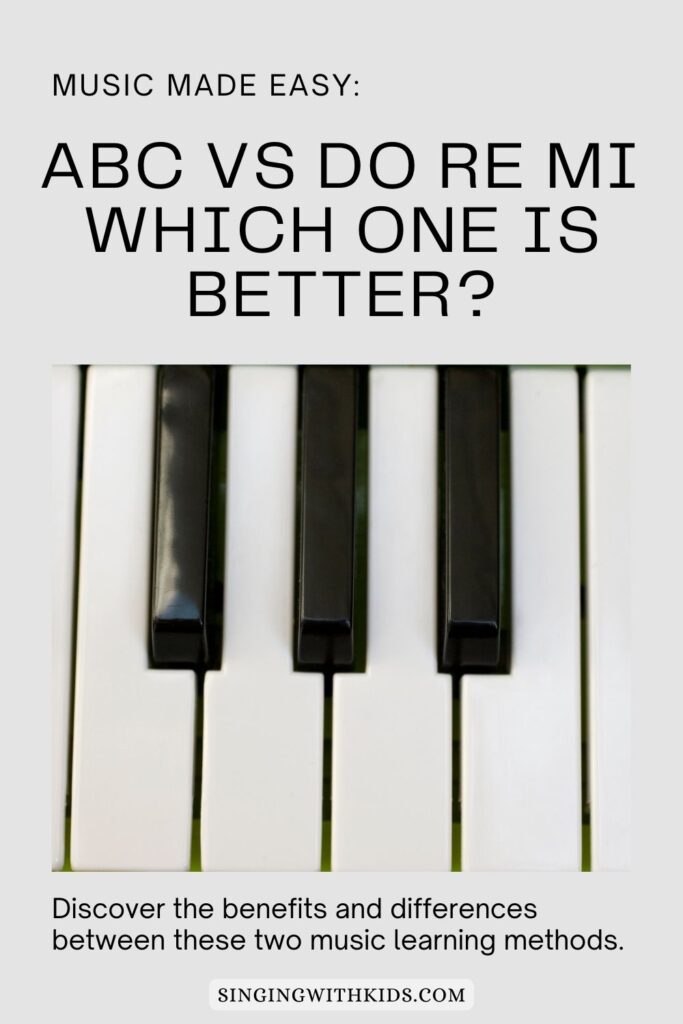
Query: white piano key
column 607, row 441
column 263, row 723
column 65, row 426
column 391, row 750
column 521, row 734
column 133, row 726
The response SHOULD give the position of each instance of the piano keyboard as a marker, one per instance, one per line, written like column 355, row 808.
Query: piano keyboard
column 340, row 618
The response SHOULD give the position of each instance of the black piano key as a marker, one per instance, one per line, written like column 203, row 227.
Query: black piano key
column 329, row 413
column 185, row 397
column 470, row 577
column 216, row 573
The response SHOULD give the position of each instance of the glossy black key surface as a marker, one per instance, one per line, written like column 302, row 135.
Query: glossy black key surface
column 185, row 397
column 329, row 406
column 470, row 560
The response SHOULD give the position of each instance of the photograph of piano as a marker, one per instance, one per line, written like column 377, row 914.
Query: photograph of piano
column 340, row 618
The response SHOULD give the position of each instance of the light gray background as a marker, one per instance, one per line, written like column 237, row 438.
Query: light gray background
column 428, row 72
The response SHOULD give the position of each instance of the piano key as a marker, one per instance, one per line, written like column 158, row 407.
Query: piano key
column 66, row 388
column 133, row 726
column 261, row 805
column 184, row 425
column 521, row 734
column 607, row 445
column 329, row 433
column 470, row 563
column 391, row 748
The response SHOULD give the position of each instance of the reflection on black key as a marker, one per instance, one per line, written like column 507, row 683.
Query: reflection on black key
column 329, row 438
column 470, row 557
column 185, row 399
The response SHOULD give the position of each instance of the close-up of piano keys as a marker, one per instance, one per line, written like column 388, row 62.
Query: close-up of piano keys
column 340, row 618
